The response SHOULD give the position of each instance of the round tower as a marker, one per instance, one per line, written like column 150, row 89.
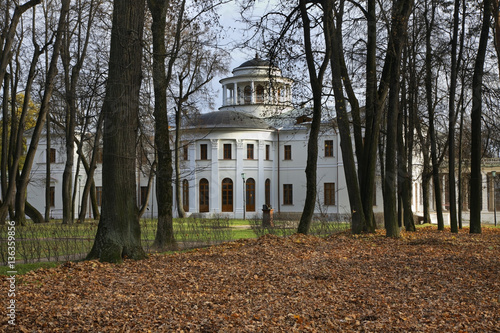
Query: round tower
column 257, row 88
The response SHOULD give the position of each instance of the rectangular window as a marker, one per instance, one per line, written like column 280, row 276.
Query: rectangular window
column 52, row 196
column 268, row 152
column 227, row 151
column 52, row 155
column 287, row 194
column 328, row 148
column 493, row 190
column 288, row 152
column 144, row 195
column 98, row 195
column 185, row 152
column 250, row 151
column 329, row 193
column 203, row 151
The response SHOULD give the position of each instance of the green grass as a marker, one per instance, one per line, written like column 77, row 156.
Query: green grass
column 25, row 268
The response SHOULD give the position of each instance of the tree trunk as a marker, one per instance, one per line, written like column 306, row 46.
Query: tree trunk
column 164, row 238
column 452, row 121
column 119, row 233
column 42, row 115
column 316, row 81
column 401, row 12
column 430, row 109
column 366, row 169
column 405, row 161
column 33, row 213
column 333, row 36
column 5, row 140
column 476, row 146
column 90, row 168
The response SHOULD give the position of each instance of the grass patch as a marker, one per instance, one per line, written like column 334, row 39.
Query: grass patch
column 25, row 268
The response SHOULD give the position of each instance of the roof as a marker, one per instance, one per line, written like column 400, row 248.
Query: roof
column 230, row 119
column 255, row 62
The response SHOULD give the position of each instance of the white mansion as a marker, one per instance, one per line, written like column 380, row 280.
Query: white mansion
column 250, row 153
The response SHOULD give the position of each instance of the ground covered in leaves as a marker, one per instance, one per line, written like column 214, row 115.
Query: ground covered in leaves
column 427, row 281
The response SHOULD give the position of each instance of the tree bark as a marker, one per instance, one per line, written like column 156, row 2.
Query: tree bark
column 316, row 81
column 430, row 110
column 164, row 238
column 333, row 36
column 119, row 233
column 476, row 146
column 452, row 121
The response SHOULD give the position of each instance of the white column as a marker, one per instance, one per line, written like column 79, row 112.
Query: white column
column 214, row 184
column 238, row 181
column 484, row 186
column 260, row 189
column 224, row 95
column 235, row 94
column 252, row 94
column 193, row 182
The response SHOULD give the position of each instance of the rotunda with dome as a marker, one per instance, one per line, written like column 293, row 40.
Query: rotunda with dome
column 252, row 152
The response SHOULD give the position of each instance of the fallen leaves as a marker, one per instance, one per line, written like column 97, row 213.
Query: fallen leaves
column 424, row 282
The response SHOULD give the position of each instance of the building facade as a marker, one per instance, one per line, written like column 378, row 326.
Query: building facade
column 248, row 155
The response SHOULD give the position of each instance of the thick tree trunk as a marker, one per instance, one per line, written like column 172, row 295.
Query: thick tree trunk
column 119, row 233
column 164, row 238
column 476, row 146
column 401, row 12
column 367, row 167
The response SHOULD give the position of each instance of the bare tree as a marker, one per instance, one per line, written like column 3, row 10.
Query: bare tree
column 477, row 94
column 22, row 183
column 119, row 233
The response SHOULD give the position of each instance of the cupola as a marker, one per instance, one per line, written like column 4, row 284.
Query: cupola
column 258, row 88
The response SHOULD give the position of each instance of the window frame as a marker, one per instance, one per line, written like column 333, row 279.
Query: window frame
column 250, row 151
column 185, row 195
column 287, row 194
column 204, row 196
column 227, row 151
column 329, row 194
column 287, row 152
column 203, row 151
column 329, row 148
column 227, row 195
column 52, row 155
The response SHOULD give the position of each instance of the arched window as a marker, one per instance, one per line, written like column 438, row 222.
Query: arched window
column 250, row 195
column 204, row 198
column 227, row 195
column 248, row 94
column 185, row 195
column 267, row 191
column 260, row 94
